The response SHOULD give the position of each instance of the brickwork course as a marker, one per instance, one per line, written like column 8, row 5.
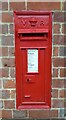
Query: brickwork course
column 7, row 60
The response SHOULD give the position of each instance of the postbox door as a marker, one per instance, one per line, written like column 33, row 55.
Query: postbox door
column 33, row 76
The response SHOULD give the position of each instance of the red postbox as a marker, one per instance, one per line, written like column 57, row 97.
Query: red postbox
column 33, row 34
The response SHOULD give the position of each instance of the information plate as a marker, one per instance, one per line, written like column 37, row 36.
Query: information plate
column 32, row 60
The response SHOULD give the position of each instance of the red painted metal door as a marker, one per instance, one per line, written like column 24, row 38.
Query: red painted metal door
column 33, row 83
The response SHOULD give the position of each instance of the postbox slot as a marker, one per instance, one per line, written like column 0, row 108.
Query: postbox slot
column 33, row 34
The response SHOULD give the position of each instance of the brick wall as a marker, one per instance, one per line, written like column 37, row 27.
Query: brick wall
column 7, row 60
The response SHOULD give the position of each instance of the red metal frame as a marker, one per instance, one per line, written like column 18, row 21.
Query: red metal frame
column 44, row 46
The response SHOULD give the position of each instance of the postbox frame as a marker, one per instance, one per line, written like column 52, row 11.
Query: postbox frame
column 18, row 81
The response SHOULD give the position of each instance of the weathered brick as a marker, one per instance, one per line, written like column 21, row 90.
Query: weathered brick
column 8, row 62
column 0, row 6
column 4, row 51
column 4, row 6
column 55, row 73
column 12, row 73
column 43, row 5
column 57, row 103
column 59, row 62
column 64, row 103
column 6, row 114
column 5, row 72
column 7, row 17
column 0, row 94
column 55, row 51
column 0, row 72
column 59, row 40
column 39, row 113
column 59, row 16
column 0, row 113
column 53, row 113
column 9, row 104
column 13, row 93
column 61, row 93
column 5, row 94
column 1, row 104
column 7, row 40
column 11, row 29
column 62, row 72
column 9, row 83
column 64, row 28
column 62, row 113
column 17, row 5
column 4, row 29
column 11, row 51
column 55, row 93
column 19, row 114
column 62, row 51
column 0, row 84
column 57, row 28
column 57, row 83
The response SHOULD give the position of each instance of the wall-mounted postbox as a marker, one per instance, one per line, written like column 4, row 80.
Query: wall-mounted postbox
column 33, row 33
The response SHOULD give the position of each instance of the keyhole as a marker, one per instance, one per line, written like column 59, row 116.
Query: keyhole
column 27, row 80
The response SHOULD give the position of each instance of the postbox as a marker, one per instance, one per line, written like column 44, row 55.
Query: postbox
column 33, row 49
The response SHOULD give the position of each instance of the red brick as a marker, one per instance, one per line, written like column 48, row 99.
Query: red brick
column 55, row 93
column 13, row 94
column 5, row 94
column 0, row 5
column 62, row 72
column 57, row 83
column 7, row 114
column 0, row 28
column 39, row 113
column 12, row 73
column 64, row 103
column 43, row 5
column 5, row 72
column 17, row 5
column 4, row 51
column 8, row 62
column 9, row 104
column 4, row 6
column 55, row 51
column 11, row 51
column 59, row 16
column 0, row 84
column 19, row 114
column 59, row 40
column 7, row 17
column 64, row 6
column 62, row 51
column 0, row 113
column 59, row 62
column 53, row 113
column 57, row 103
column 55, row 73
column 61, row 93
column 1, row 104
column 0, row 94
column 9, row 83
column 5, row 29
column 0, row 51
column 0, row 72
column 57, row 28
column 64, row 28
column 7, row 40
column 11, row 29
